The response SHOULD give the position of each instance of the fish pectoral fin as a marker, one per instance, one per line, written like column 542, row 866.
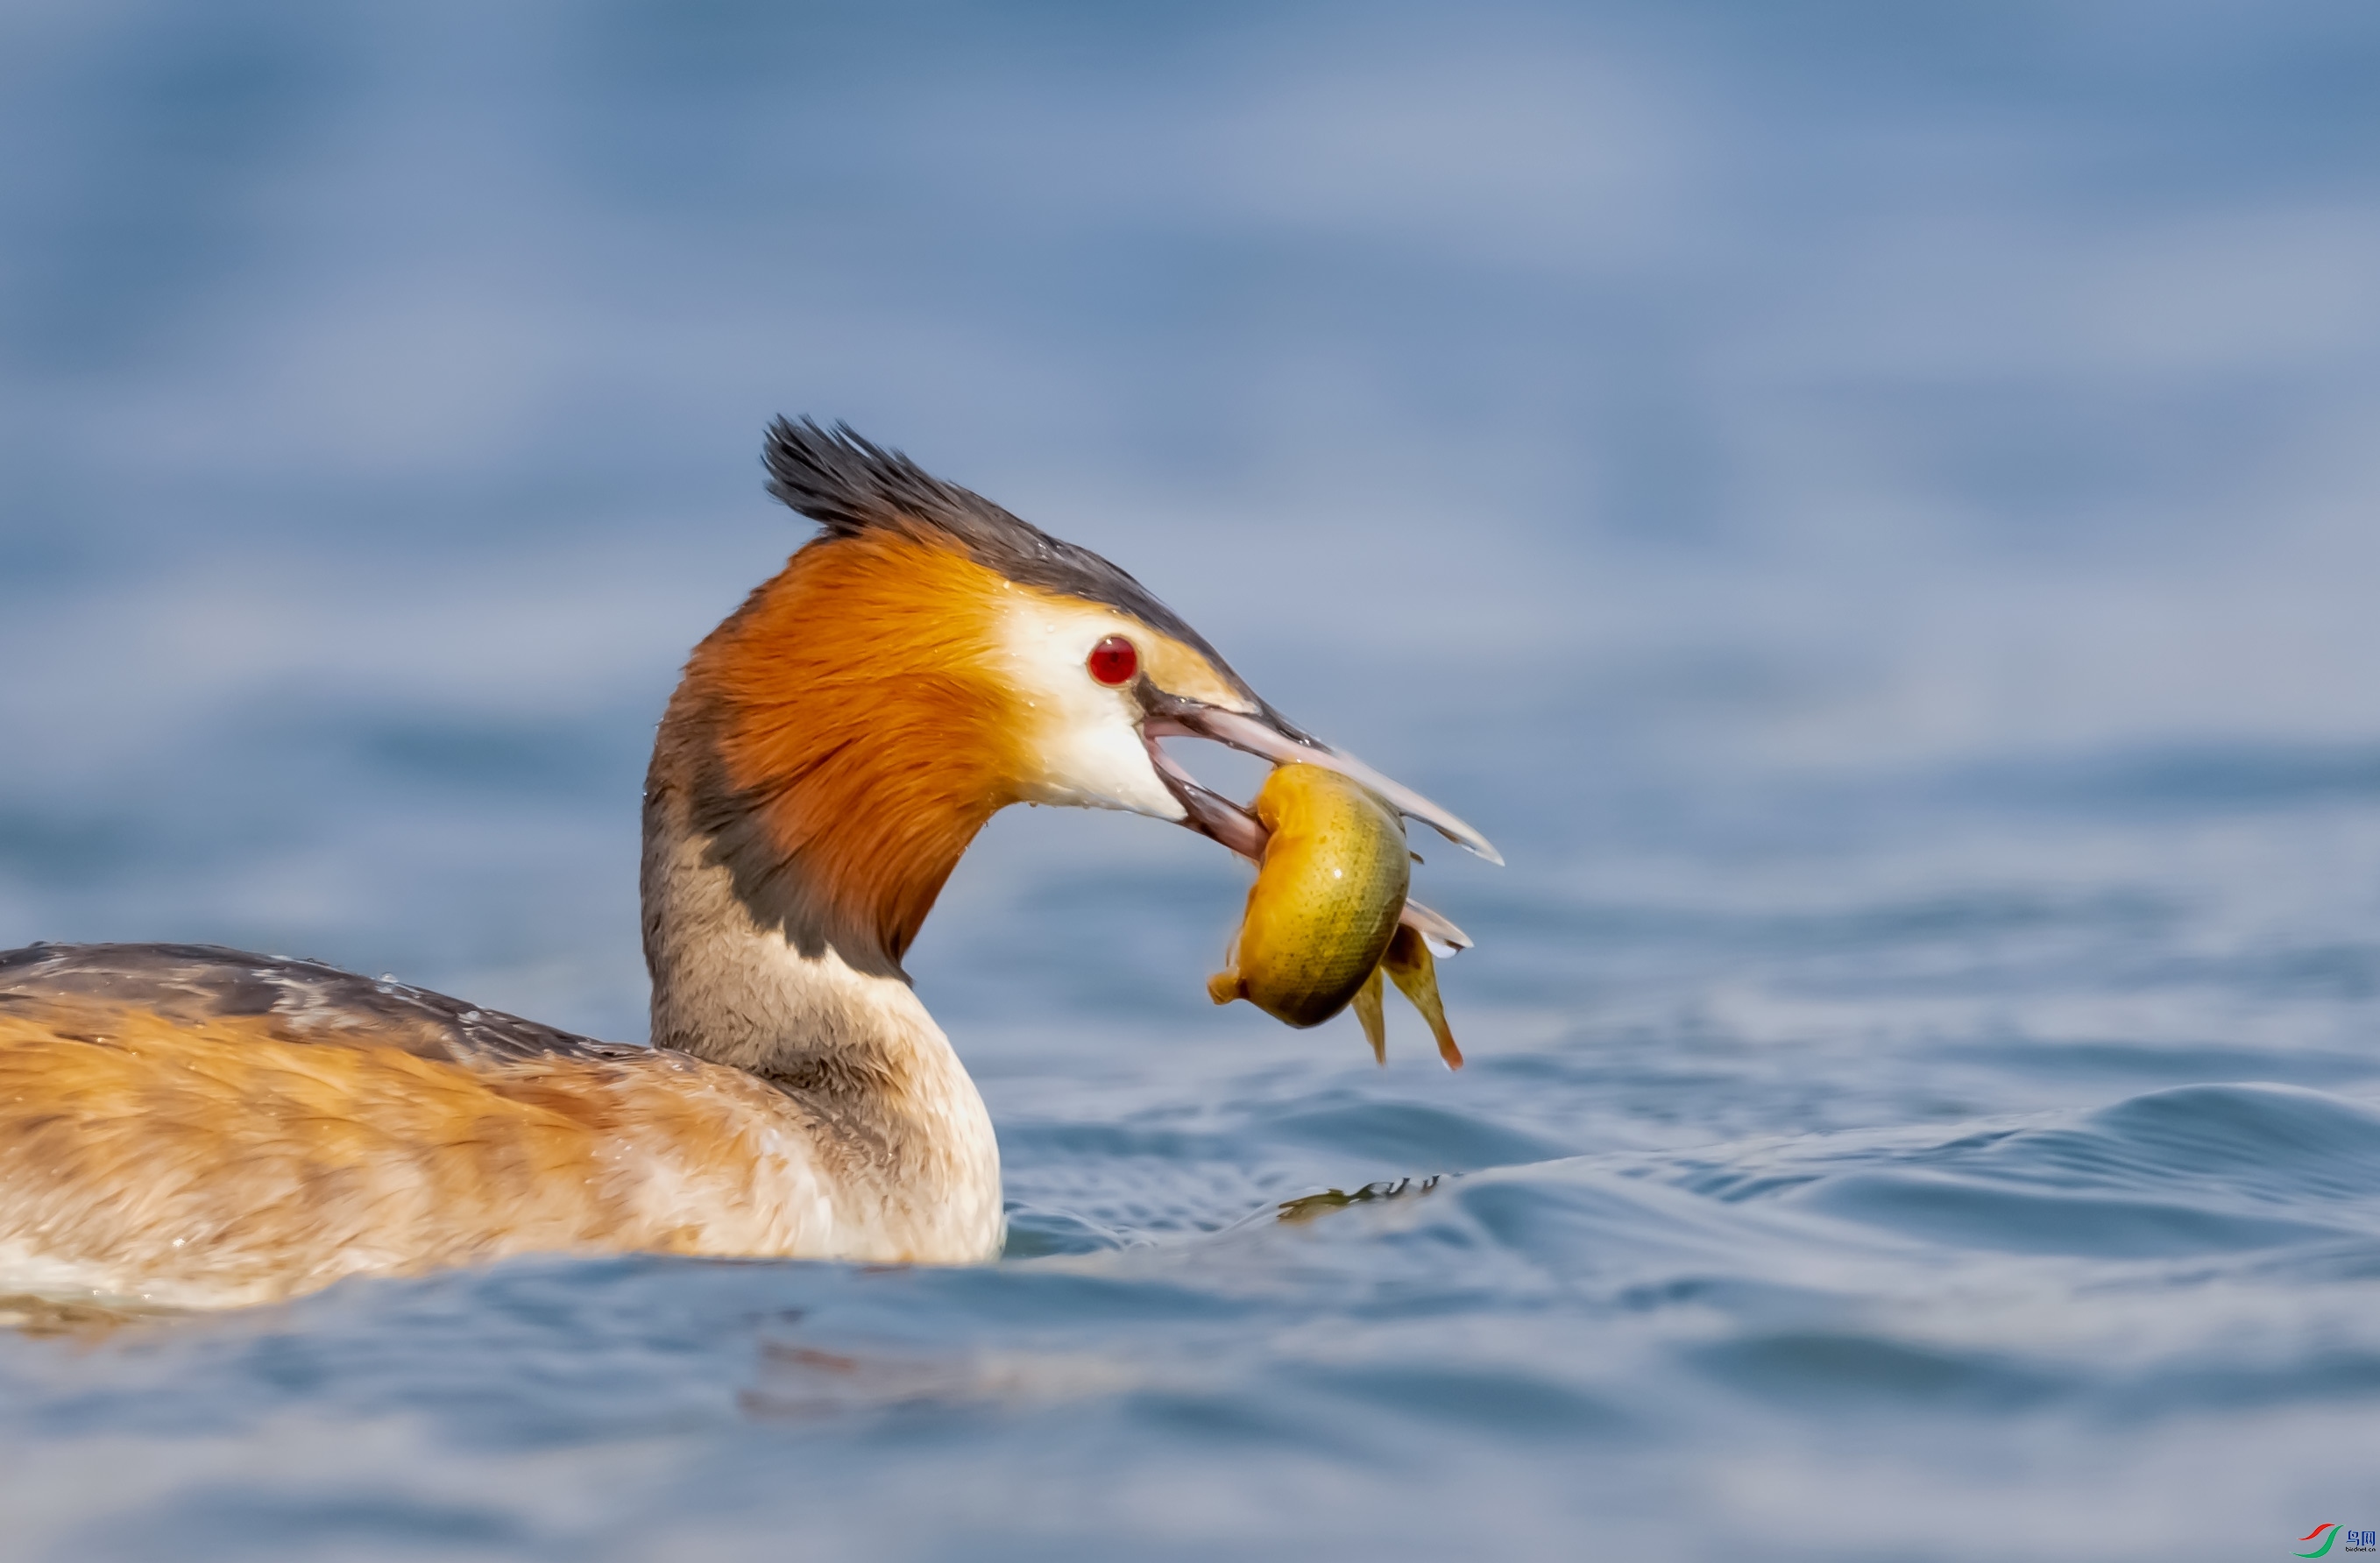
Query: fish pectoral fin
column 1369, row 1010
column 1413, row 969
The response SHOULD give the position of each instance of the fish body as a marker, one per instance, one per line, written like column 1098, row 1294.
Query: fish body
column 1327, row 898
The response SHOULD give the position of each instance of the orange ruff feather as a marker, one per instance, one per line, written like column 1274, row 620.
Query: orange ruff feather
column 206, row 1163
column 856, row 696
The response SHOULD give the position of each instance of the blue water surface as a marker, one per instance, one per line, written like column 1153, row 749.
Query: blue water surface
column 1870, row 506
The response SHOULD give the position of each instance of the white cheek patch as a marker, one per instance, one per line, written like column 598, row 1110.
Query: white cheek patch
column 1083, row 743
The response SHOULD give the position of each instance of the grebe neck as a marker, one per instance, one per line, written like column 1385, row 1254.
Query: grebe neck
column 832, row 750
column 899, row 1123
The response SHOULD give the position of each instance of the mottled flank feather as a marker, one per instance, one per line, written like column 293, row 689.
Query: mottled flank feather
column 293, row 1000
column 207, row 1164
column 187, row 1125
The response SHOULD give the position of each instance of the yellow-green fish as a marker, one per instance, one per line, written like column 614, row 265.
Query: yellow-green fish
column 1326, row 900
column 1322, row 918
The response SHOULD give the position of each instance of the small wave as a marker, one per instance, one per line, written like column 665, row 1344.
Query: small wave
column 1428, row 1139
column 1845, row 1371
column 2191, row 1169
column 1977, row 1214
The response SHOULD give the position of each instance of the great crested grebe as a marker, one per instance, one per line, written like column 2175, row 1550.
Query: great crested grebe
column 183, row 1125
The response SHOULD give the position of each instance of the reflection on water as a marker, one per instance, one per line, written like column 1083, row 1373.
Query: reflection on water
column 1868, row 506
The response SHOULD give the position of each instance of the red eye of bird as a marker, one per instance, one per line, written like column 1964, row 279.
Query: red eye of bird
column 1113, row 661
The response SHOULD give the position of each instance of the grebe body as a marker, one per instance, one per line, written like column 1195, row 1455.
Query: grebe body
column 195, row 1127
column 187, row 1126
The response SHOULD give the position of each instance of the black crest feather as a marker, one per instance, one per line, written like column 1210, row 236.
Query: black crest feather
column 850, row 486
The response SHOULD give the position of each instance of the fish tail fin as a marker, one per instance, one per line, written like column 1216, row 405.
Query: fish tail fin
column 1412, row 968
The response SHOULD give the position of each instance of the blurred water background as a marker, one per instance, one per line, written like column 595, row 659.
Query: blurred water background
column 1872, row 506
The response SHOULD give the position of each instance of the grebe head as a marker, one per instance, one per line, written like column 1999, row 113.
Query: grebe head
column 926, row 661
